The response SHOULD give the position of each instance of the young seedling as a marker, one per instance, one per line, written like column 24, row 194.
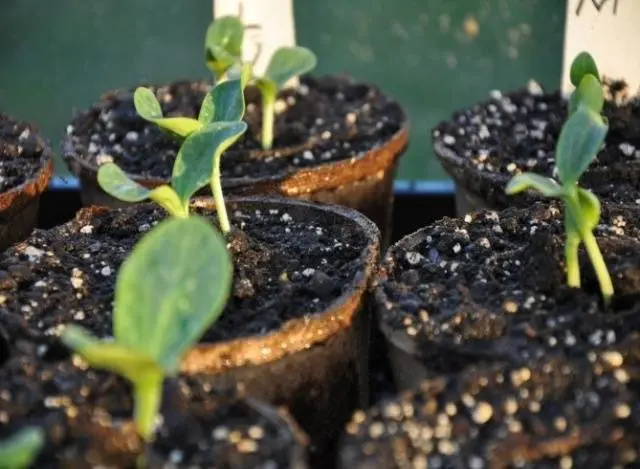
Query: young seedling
column 218, row 126
column 223, row 53
column 169, row 291
column 585, row 77
column 580, row 140
column 20, row 450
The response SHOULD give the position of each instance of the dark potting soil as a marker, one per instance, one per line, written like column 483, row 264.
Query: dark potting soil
column 326, row 119
column 518, row 132
column 20, row 153
column 553, row 413
column 86, row 416
column 287, row 265
column 492, row 287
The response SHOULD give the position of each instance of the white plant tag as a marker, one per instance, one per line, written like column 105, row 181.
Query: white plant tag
column 609, row 31
column 269, row 25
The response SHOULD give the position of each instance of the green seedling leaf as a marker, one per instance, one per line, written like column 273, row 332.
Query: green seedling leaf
column 583, row 65
column 580, row 140
column 116, row 183
column 223, row 44
column 289, row 62
column 148, row 107
column 228, row 97
column 195, row 160
column 546, row 186
column 589, row 208
column 589, row 93
column 172, row 287
column 207, row 109
column 20, row 450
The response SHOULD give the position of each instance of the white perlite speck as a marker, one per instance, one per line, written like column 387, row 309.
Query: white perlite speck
column 413, row 257
column 534, row 88
column 448, row 140
column 33, row 253
column 627, row 149
column 87, row 229
column 106, row 271
column 308, row 272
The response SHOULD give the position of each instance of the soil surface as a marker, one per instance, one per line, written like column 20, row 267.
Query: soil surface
column 86, row 416
column 518, row 132
column 287, row 265
column 553, row 413
column 20, row 153
column 492, row 287
column 324, row 119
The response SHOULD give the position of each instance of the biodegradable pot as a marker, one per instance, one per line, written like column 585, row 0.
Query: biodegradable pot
column 551, row 413
column 483, row 147
column 293, row 333
column 492, row 288
column 336, row 141
column 25, row 170
column 86, row 416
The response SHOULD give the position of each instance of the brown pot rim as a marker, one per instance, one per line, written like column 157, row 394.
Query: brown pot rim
column 296, row 334
column 330, row 175
column 35, row 185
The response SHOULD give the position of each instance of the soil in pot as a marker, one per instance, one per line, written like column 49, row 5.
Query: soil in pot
column 292, row 331
column 86, row 417
column 484, row 146
column 552, row 413
column 335, row 141
column 25, row 169
column 491, row 287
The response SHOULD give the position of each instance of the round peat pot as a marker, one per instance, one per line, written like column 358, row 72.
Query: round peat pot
column 336, row 141
column 491, row 288
column 294, row 331
column 483, row 147
column 86, row 418
column 26, row 167
column 552, row 413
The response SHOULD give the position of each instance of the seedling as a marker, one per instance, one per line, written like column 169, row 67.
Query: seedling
column 218, row 126
column 223, row 53
column 580, row 140
column 20, row 450
column 585, row 77
column 169, row 291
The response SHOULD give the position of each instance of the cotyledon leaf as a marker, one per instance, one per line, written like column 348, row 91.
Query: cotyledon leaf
column 148, row 107
column 171, row 289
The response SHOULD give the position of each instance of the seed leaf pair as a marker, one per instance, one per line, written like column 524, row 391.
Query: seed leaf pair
column 223, row 54
column 580, row 140
column 585, row 77
column 169, row 291
column 218, row 126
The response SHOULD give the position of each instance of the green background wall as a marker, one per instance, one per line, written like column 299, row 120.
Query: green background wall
column 434, row 56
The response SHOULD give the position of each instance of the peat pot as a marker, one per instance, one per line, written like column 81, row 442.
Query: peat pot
column 483, row 147
column 491, row 288
column 551, row 413
column 25, row 170
column 294, row 332
column 336, row 141
column 86, row 419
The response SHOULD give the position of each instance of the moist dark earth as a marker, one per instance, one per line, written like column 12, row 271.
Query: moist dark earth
column 86, row 414
column 324, row 119
column 20, row 153
column 553, row 413
column 491, row 287
column 516, row 132
column 286, row 266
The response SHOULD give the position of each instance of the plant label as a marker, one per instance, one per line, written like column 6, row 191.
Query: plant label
column 269, row 25
column 609, row 31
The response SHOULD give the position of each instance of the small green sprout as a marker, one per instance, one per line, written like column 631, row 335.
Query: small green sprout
column 169, row 291
column 223, row 53
column 20, row 450
column 218, row 126
column 585, row 77
column 580, row 140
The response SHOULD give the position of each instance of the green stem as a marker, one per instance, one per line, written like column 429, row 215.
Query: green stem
column 218, row 197
column 268, row 114
column 148, row 396
column 591, row 245
column 571, row 255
